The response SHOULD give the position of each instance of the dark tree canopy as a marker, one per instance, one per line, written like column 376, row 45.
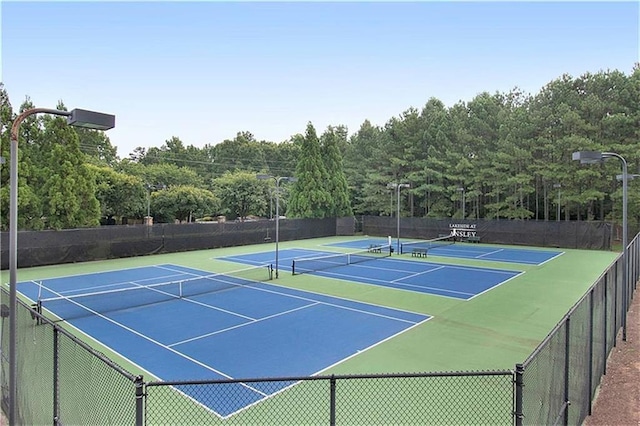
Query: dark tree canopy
column 496, row 156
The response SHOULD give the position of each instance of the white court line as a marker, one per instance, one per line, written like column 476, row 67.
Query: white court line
column 487, row 254
column 328, row 304
column 137, row 333
column 374, row 281
column 262, row 394
column 435, row 265
column 417, row 274
column 242, row 260
column 550, row 259
column 358, row 352
column 238, row 259
column 397, row 284
column 497, row 285
column 106, row 286
column 80, row 274
column 241, row 325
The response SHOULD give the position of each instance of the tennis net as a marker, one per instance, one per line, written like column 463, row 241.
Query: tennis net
column 79, row 305
column 427, row 244
column 311, row 264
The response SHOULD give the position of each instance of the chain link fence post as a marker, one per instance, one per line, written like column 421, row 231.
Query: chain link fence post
column 140, row 395
column 567, row 356
column 519, row 381
column 56, row 403
column 332, row 401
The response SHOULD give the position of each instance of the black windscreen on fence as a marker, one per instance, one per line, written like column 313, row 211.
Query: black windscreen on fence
column 580, row 235
column 36, row 248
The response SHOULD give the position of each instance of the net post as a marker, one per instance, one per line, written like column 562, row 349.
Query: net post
column 293, row 267
column 180, row 291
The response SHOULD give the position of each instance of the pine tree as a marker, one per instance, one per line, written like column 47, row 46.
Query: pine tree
column 337, row 183
column 309, row 196
column 69, row 192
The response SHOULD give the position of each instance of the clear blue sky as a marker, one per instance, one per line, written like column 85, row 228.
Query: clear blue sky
column 203, row 71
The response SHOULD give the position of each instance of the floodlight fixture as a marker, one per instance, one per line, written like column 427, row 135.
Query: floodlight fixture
column 629, row 177
column 91, row 119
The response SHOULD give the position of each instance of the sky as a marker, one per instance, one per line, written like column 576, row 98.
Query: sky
column 204, row 71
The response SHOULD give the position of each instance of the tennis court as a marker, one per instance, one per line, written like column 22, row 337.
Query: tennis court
column 459, row 282
column 177, row 323
column 464, row 251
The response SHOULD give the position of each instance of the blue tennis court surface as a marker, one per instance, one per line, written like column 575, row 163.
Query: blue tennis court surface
column 460, row 282
column 240, row 328
column 469, row 251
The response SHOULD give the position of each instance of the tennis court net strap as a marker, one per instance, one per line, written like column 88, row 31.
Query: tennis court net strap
column 302, row 266
column 79, row 305
column 427, row 244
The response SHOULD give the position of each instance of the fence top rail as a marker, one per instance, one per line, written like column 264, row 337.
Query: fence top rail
column 333, row 377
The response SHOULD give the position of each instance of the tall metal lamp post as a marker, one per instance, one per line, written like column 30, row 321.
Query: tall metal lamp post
column 78, row 118
column 150, row 188
column 277, row 180
column 558, row 186
column 593, row 157
column 398, row 187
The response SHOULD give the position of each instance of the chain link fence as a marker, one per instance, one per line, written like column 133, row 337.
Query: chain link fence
column 425, row 398
column 557, row 383
column 554, row 385
column 62, row 380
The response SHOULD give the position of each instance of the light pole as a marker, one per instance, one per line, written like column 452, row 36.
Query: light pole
column 277, row 180
column 461, row 189
column 148, row 204
column 398, row 187
column 150, row 188
column 558, row 186
column 78, row 118
column 592, row 157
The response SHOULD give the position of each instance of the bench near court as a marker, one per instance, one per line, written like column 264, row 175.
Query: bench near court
column 473, row 239
column 419, row 252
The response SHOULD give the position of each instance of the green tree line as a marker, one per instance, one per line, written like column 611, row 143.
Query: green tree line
column 497, row 156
